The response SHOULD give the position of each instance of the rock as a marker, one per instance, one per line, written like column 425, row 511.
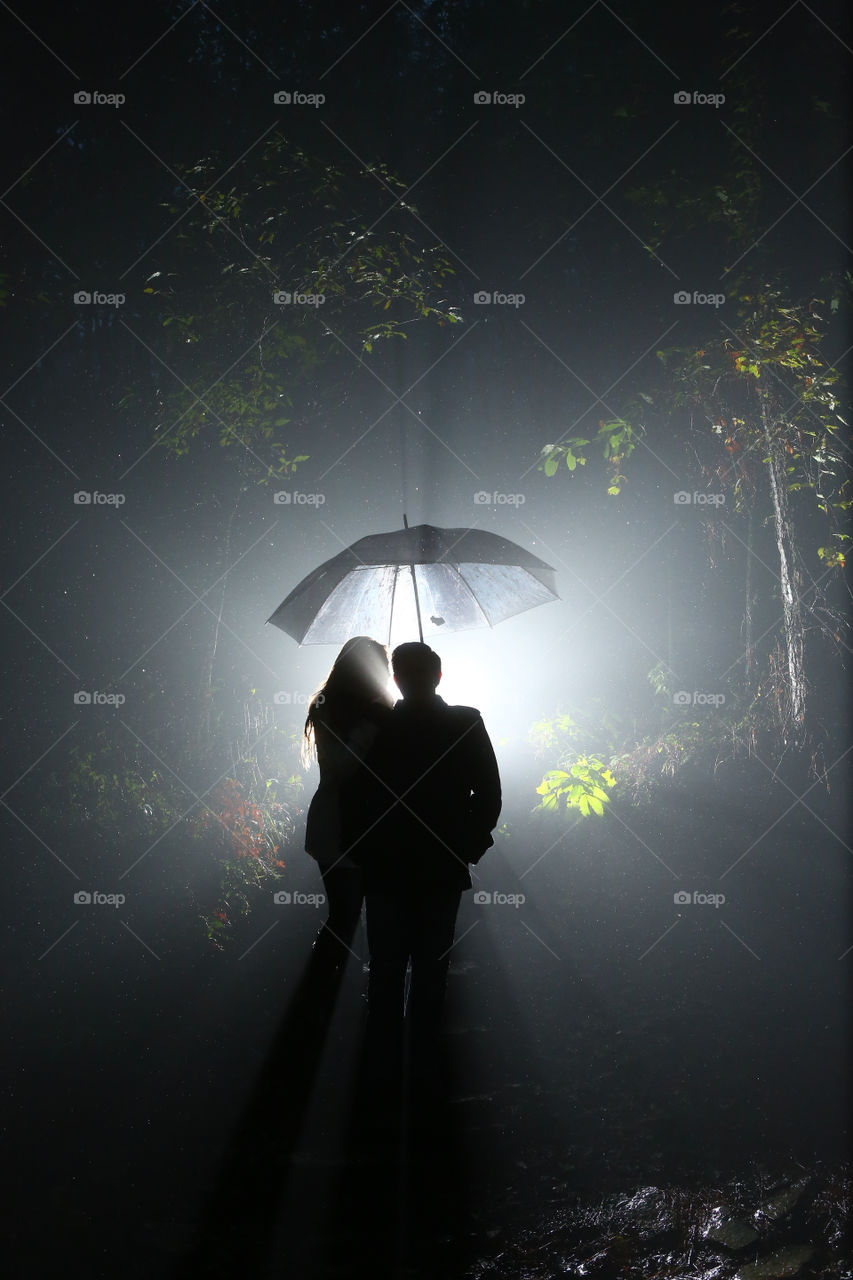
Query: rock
column 734, row 1233
column 777, row 1265
column 781, row 1202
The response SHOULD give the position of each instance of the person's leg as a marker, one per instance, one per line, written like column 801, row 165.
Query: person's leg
column 344, row 896
column 432, row 943
column 387, row 939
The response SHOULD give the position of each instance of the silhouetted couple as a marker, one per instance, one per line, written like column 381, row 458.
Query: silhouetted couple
column 409, row 795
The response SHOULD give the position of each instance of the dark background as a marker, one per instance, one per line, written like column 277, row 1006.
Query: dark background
column 593, row 1047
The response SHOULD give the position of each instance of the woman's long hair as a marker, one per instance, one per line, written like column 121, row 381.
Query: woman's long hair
column 359, row 676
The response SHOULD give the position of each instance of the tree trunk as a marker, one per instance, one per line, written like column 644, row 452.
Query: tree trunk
column 747, row 603
column 785, row 545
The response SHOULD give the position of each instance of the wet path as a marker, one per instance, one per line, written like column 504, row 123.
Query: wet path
column 202, row 1115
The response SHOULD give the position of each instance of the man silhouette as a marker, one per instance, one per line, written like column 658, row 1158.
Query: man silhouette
column 427, row 801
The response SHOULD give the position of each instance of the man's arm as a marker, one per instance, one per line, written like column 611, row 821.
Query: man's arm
column 484, row 805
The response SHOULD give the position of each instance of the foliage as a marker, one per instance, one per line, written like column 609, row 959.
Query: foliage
column 110, row 781
column 637, row 758
column 756, row 399
column 582, row 786
column 775, row 362
column 113, row 787
column 137, row 788
column 250, row 820
column 245, row 829
column 616, row 440
column 583, row 780
column 601, row 759
column 237, row 826
column 248, row 354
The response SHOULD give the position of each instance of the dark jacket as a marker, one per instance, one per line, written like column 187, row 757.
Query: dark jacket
column 425, row 802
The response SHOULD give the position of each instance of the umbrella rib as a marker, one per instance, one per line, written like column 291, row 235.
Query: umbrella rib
column 473, row 595
column 393, row 597
column 370, row 572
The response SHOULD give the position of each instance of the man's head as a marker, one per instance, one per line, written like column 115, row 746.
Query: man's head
column 417, row 670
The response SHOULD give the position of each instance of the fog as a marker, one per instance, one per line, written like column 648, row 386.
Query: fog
column 274, row 280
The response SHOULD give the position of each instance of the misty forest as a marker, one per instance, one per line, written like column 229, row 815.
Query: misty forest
column 278, row 278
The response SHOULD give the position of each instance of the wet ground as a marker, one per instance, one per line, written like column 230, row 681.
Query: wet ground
column 626, row 1090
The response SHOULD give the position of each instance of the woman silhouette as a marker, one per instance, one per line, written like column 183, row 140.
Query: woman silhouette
column 343, row 719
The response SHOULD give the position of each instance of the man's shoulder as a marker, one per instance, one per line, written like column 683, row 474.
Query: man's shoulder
column 437, row 709
column 460, row 722
column 467, row 714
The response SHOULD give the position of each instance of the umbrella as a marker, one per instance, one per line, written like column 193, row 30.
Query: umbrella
column 443, row 578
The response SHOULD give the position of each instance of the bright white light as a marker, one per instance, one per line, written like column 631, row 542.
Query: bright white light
column 463, row 679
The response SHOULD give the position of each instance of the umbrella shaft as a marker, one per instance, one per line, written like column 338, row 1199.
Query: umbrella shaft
column 415, row 585
column 417, row 605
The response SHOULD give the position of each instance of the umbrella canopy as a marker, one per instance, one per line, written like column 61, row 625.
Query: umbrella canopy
column 446, row 579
